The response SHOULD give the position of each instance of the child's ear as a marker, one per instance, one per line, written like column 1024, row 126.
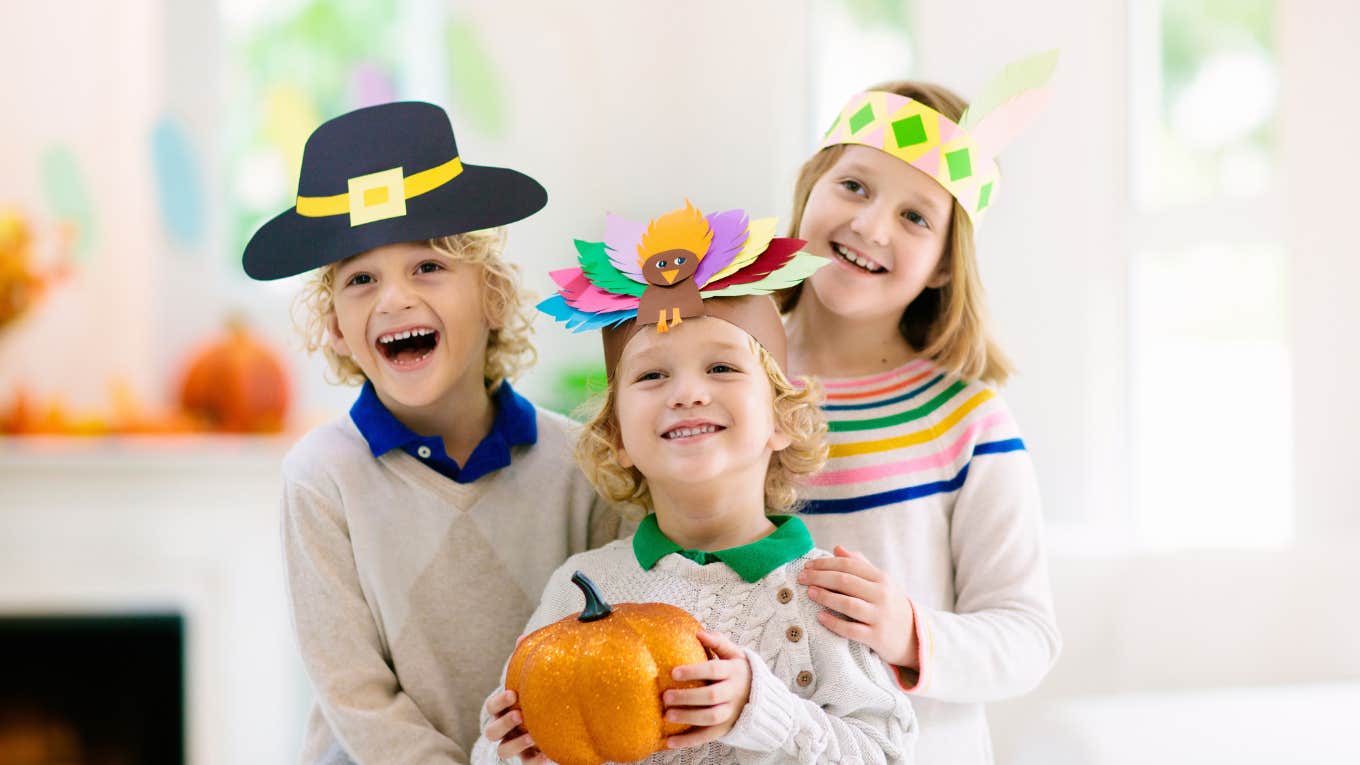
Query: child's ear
column 493, row 307
column 621, row 454
column 941, row 276
column 336, row 340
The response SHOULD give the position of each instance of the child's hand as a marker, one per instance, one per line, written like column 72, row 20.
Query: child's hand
column 714, row 708
column 505, row 728
column 881, row 613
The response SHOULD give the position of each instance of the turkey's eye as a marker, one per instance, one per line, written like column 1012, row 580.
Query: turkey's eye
column 661, row 264
column 680, row 261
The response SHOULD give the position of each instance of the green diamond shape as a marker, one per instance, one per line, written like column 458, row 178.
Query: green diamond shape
column 959, row 165
column 861, row 118
column 984, row 196
column 909, row 131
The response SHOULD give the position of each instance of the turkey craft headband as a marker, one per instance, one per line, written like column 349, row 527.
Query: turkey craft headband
column 681, row 265
column 960, row 157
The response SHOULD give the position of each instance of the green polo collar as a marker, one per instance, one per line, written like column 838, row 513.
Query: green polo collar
column 789, row 541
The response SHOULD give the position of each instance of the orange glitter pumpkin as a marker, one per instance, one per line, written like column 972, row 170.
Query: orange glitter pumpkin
column 590, row 686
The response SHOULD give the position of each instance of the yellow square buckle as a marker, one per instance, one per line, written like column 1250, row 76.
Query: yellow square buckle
column 377, row 196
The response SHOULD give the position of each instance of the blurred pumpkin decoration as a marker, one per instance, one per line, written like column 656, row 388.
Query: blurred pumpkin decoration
column 590, row 686
column 236, row 384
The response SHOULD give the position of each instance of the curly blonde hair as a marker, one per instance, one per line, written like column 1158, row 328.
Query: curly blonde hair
column 509, row 350
column 796, row 415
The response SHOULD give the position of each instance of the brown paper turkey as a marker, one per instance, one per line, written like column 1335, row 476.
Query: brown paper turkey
column 590, row 686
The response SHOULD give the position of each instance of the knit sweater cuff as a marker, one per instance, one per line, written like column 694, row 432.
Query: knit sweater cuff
column 917, row 680
column 766, row 722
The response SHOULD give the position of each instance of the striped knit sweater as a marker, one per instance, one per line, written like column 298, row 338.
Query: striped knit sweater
column 928, row 478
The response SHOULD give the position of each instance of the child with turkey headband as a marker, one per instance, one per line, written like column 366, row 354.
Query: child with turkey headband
column 704, row 435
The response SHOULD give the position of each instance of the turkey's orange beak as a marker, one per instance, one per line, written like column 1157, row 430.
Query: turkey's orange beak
column 670, row 275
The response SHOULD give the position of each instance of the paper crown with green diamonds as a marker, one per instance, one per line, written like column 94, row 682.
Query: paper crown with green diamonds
column 960, row 156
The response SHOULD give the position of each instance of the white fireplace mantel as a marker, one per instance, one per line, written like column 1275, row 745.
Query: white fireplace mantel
column 186, row 525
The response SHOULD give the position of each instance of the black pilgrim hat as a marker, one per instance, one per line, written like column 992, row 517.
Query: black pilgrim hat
column 381, row 175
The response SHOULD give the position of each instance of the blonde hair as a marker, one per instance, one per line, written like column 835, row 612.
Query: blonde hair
column 948, row 325
column 509, row 350
column 796, row 415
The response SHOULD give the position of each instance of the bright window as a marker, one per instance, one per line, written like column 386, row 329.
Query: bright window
column 1211, row 394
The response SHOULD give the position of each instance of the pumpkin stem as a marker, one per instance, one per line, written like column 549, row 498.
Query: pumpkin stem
column 596, row 606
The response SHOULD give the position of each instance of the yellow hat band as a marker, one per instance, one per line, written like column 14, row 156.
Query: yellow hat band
column 380, row 195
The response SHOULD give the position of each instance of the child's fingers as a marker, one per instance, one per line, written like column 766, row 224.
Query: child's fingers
column 532, row 756
column 500, row 702
column 846, row 584
column 515, row 747
column 857, row 566
column 856, row 608
column 860, row 633
column 714, row 669
column 845, row 552
column 718, row 713
column 502, row 726
column 720, row 645
column 702, row 696
column 696, row 737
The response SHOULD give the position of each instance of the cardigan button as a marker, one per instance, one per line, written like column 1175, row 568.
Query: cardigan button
column 804, row 678
column 784, row 595
column 424, row 452
column 794, row 633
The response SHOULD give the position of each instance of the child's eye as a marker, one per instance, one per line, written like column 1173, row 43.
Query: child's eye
column 429, row 267
column 853, row 186
column 359, row 279
column 652, row 375
column 916, row 218
column 721, row 368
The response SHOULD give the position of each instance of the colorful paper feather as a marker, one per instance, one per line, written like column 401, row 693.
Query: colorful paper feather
column 758, row 237
column 740, row 257
column 729, row 235
column 596, row 264
column 621, row 237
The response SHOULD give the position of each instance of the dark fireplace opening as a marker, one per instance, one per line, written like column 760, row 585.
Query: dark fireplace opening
column 92, row 690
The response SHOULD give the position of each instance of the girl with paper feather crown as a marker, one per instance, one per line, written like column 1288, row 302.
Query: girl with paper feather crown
column 701, row 427
column 929, row 495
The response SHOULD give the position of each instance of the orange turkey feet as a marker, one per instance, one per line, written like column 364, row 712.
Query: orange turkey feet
column 675, row 316
column 661, row 322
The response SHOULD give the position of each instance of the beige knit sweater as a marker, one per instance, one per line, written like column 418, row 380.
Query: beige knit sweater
column 815, row 696
column 407, row 589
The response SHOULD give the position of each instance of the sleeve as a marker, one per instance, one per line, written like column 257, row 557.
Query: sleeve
column 560, row 599
column 856, row 713
column 341, row 647
column 1002, row 637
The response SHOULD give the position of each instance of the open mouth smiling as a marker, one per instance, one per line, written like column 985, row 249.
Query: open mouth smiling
column 691, row 430
column 408, row 347
column 848, row 255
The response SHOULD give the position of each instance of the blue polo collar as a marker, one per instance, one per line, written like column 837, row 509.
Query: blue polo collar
column 516, row 424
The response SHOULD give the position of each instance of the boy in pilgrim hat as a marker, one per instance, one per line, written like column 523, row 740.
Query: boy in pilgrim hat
column 419, row 530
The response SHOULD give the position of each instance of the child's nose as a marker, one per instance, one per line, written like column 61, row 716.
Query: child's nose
column 689, row 390
column 395, row 296
column 872, row 223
